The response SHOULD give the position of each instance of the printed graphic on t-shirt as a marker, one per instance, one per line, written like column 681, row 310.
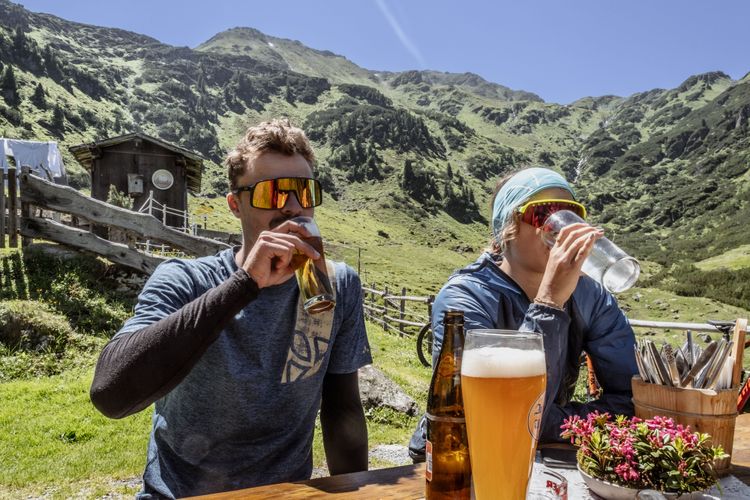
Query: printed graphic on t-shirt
column 312, row 338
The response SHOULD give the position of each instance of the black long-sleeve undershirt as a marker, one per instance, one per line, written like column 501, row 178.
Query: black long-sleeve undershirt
column 137, row 368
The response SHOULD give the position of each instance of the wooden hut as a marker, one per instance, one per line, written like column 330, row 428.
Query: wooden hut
column 138, row 165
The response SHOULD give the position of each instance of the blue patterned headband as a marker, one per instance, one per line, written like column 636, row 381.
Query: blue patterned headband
column 520, row 188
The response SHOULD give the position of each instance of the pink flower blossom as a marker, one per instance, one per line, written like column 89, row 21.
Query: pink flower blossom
column 627, row 472
column 682, row 468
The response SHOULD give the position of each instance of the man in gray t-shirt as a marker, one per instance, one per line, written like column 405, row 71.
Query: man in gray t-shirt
column 220, row 344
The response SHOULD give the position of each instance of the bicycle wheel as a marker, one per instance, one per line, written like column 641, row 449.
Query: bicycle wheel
column 424, row 345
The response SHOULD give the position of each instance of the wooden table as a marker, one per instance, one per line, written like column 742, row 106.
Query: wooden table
column 405, row 482
column 408, row 481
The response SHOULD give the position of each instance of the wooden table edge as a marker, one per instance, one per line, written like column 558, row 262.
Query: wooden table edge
column 407, row 481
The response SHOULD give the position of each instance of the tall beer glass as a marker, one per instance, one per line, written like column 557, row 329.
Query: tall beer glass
column 312, row 275
column 503, row 376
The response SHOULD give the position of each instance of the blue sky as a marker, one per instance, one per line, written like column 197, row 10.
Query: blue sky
column 559, row 49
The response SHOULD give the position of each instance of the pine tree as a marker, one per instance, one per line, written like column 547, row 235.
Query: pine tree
column 447, row 191
column 201, row 83
column 38, row 99
column 58, row 119
column 408, row 176
column 51, row 64
column 9, row 87
column 19, row 42
column 372, row 168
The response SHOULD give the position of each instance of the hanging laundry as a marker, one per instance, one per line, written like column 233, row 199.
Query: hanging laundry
column 42, row 156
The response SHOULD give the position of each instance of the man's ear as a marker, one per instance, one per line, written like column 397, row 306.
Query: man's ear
column 233, row 202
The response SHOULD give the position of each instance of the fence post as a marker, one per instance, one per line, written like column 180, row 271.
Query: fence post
column 401, row 308
column 385, row 308
column 371, row 300
column 26, row 210
column 430, row 300
column 12, row 208
column 205, row 221
column 2, row 209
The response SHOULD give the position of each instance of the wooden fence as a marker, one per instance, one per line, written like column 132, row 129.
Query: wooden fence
column 408, row 314
column 9, row 206
column 403, row 314
column 136, row 227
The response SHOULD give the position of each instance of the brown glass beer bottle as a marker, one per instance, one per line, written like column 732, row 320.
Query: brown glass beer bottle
column 448, row 473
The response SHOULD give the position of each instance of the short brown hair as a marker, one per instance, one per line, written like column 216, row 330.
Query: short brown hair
column 278, row 135
column 509, row 231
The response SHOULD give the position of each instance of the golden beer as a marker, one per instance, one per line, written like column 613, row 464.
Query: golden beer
column 503, row 400
column 312, row 275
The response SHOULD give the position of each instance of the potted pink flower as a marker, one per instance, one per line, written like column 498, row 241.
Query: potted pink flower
column 636, row 454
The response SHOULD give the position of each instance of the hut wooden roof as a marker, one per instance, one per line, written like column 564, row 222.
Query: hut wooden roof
column 85, row 154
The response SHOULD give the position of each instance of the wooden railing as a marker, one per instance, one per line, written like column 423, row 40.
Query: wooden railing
column 37, row 192
column 397, row 313
column 9, row 207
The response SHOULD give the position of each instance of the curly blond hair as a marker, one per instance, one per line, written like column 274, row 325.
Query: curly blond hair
column 278, row 135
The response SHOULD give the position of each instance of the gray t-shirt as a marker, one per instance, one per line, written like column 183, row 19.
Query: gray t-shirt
column 232, row 422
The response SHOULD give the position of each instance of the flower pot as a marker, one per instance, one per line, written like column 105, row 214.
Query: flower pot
column 610, row 491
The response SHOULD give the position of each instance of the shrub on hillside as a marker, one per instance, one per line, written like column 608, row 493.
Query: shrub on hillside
column 387, row 128
column 29, row 325
column 77, row 287
column 723, row 285
column 485, row 166
column 35, row 341
column 367, row 94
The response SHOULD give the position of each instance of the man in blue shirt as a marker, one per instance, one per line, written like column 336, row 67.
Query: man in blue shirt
column 223, row 347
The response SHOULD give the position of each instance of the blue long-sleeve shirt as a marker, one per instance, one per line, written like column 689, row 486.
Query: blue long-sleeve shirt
column 591, row 322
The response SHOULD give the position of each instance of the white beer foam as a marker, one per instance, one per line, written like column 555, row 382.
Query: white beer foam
column 502, row 362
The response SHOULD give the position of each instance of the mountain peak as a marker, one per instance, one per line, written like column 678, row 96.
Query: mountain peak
column 706, row 78
column 238, row 31
column 287, row 54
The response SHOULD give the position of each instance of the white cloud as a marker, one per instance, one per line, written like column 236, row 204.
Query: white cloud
column 396, row 27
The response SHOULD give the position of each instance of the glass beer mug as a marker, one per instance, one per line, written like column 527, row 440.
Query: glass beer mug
column 503, row 376
column 607, row 263
column 312, row 275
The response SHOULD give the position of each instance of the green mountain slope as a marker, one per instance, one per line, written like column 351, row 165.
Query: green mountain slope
column 665, row 170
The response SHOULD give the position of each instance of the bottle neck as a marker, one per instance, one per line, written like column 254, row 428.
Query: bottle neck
column 453, row 339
